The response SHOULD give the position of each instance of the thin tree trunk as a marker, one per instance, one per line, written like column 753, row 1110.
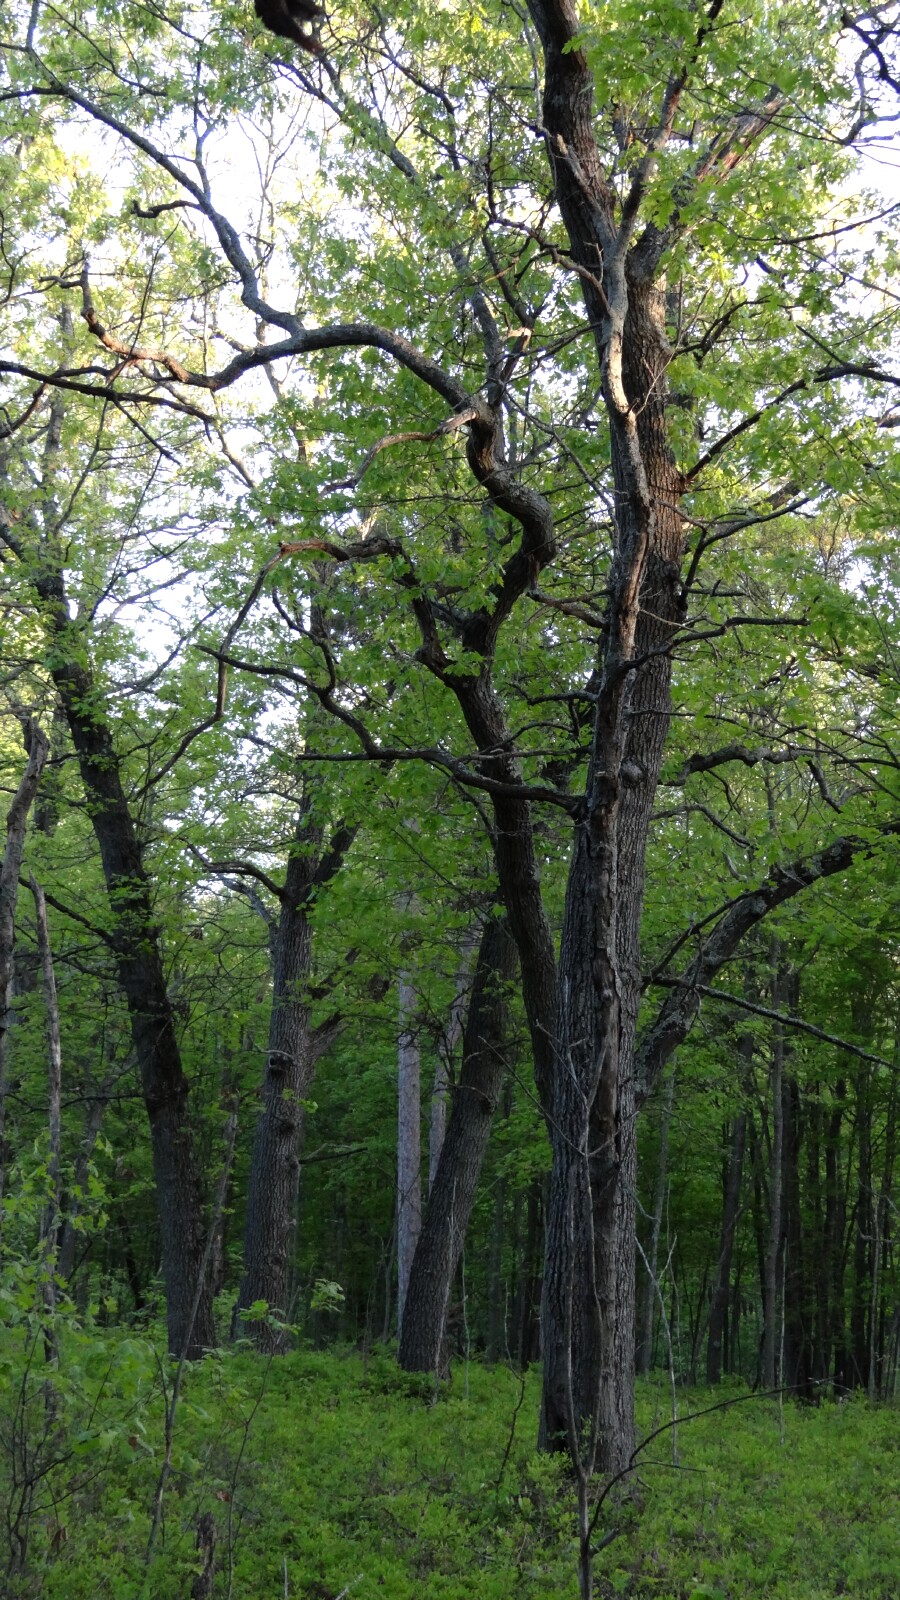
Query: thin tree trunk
column 497, row 1333
column 485, row 1048
column 881, row 1211
column 526, row 1326
column 771, row 1318
column 68, row 1244
column 798, row 1315
column 38, row 748
column 862, row 1243
column 50, row 1220
column 718, row 1311
column 835, row 1219
column 409, row 1140
column 644, row 1349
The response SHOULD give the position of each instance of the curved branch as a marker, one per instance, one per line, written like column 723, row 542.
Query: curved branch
column 679, row 1011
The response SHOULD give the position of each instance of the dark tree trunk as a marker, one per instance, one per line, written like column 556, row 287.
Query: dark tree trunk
column 11, row 865
column 409, row 1139
column 799, row 1320
column 647, row 1324
column 774, row 1257
column 817, row 1239
column 10, row 868
column 588, row 1313
column 882, row 1256
column 498, row 1343
column 718, row 1311
column 475, row 1099
column 862, row 1242
column 136, row 945
column 293, row 1051
column 835, row 1218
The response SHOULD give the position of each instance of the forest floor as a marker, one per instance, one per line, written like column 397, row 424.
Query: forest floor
column 333, row 1474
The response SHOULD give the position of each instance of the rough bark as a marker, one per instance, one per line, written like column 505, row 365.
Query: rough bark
column 475, row 1099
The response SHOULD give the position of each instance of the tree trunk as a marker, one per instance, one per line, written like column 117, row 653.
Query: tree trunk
column 526, row 1326
column 862, row 1242
column 50, row 1220
column 718, row 1311
column 275, row 1160
column 497, row 1320
column 646, row 1325
column 294, row 1048
column 485, row 1047
column 774, row 1242
column 443, row 1071
column 588, row 1312
column 798, row 1314
column 882, row 1210
column 409, row 1141
column 835, row 1216
column 136, row 945
column 68, row 1243
column 38, row 749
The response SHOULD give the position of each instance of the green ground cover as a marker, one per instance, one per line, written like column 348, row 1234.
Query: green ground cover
column 333, row 1474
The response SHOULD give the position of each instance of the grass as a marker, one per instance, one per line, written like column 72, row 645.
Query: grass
column 330, row 1474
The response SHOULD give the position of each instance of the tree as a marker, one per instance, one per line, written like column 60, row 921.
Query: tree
column 600, row 244
column 475, row 1098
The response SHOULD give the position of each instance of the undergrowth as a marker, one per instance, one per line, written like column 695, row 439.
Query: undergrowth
column 336, row 1475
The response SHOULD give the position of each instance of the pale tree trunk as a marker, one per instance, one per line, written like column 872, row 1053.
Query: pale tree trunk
column 644, row 1351
column 409, row 1140
column 440, row 1245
